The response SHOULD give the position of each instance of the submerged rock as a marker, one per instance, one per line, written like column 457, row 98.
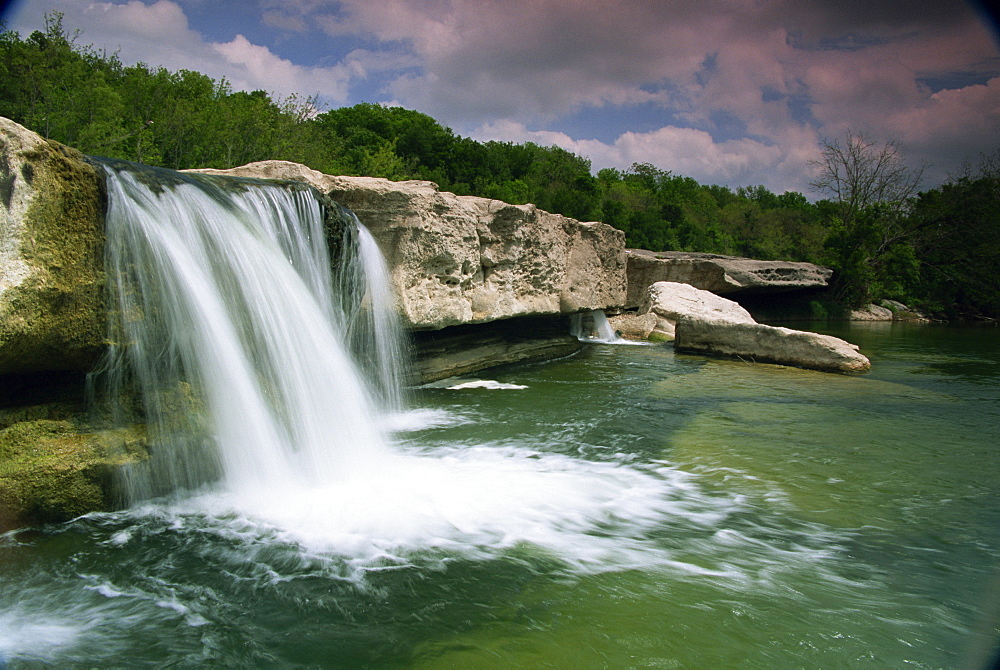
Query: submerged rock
column 464, row 259
column 718, row 274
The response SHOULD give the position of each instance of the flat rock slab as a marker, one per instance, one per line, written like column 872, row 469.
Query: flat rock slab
column 769, row 344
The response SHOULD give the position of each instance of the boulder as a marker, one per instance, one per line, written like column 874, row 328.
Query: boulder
column 51, row 255
column 466, row 260
column 769, row 344
column 635, row 326
column 718, row 274
column 901, row 312
column 871, row 312
column 671, row 301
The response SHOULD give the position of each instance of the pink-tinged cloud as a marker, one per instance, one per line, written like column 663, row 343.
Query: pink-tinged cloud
column 777, row 72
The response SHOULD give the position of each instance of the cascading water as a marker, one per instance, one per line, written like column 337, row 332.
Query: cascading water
column 368, row 310
column 234, row 337
column 593, row 326
column 270, row 374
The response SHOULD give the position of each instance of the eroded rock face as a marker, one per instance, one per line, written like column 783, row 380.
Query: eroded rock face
column 718, row 274
column 671, row 301
column 51, row 255
column 757, row 342
column 466, row 260
column 462, row 350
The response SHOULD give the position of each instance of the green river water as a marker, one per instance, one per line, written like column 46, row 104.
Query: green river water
column 694, row 513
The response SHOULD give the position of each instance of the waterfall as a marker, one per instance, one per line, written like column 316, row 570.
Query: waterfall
column 592, row 326
column 234, row 341
column 266, row 375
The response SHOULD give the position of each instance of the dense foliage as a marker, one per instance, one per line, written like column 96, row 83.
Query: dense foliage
column 939, row 249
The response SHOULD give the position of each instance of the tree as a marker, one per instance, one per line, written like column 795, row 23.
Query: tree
column 861, row 173
column 959, row 244
column 872, row 187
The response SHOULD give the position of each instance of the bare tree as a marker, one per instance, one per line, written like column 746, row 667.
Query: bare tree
column 870, row 239
column 859, row 173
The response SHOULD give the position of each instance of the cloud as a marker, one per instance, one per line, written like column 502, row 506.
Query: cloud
column 527, row 59
column 750, row 80
column 257, row 68
column 160, row 35
column 683, row 151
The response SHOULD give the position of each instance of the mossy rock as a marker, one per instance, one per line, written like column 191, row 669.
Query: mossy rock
column 53, row 470
column 659, row 336
column 52, row 314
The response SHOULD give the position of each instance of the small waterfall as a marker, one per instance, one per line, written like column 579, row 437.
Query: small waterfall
column 368, row 309
column 232, row 339
column 592, row 326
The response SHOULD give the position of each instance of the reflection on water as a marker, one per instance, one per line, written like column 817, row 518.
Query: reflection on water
column 628, row 507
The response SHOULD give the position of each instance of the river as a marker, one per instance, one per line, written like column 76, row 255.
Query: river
column 627, row 507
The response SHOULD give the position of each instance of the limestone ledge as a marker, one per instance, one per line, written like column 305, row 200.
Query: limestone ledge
column 464, row 259
column 463, row 350
column 719, row 274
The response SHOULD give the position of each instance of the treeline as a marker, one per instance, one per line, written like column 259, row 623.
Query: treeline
column 92, row 101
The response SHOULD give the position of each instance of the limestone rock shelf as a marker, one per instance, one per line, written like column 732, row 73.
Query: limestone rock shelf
column 463, row 259
column 722, row 275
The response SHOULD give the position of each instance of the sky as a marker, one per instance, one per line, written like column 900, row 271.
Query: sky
column 730, row 92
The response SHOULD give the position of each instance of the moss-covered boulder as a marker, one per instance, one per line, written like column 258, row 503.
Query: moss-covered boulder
column 51, row 255
column 53, row 467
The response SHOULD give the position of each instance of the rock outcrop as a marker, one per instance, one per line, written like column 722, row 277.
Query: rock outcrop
column 466, row 260
column 54, row 464
column 700, row 321
column 462, row 350
column 718, row 274
column 455, row 261
column 51, row 255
